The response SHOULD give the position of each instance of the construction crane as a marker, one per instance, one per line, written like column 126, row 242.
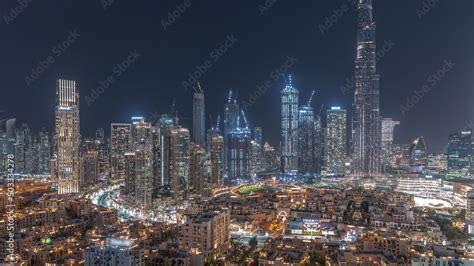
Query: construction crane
column 245, row 118
column 310, row 99
column 218, row 121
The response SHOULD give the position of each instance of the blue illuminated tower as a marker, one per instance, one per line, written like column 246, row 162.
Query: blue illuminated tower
column 289, row 128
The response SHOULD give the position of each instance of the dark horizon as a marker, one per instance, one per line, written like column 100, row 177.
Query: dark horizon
column 99, row 39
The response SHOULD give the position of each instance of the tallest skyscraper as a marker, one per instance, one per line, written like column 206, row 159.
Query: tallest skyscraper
column 366, row 135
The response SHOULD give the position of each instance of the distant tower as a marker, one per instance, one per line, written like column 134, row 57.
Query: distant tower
column 67, row 136
column 217, row 160
column 418, row 155
column 366, row 135
column 289, row 128
column 179, row 162
column 142, row 144
column 199, row 119
column 388, row 126
column 335, row 147
column 306, row 139
column 460, row 154
column 238, row 153
column 121, row 142
column 231, row 120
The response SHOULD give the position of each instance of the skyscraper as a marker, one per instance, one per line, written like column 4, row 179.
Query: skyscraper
column 120, row 142
column 289, row 128
column 238, row 153
column 231, row 122
column 306, row 139
column 459, row 154
column 67, row 136
column 258, row 136
column 318, row 144
column 22, row 145
column 366, row 135
column 418, row 156
column 179, row 162
column 335, row 147
column 44, row 152
column 143, row 147
column 388, row 126
column 199, row 118
column 217, row 160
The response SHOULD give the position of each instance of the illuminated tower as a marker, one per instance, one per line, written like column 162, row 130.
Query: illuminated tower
column 388, row 126
column 289, row 128
column 142, row 144
column 67, row 136
column 217, row 160
column 335, row 146
column 366, row 135
column 179, row 162
column 199, row 119
column 231, row 121
column 121, row 142
column 238, row 153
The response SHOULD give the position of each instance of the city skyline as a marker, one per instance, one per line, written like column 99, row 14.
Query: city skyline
column 106, row 108
column 255, row 156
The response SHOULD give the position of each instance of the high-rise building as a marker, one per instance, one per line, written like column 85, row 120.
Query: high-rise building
column 89, row 168
column 335, row 141
column 217, row 160
column 270, row 158
column 142, row 144
column 231, row 122
column 418, row 155
column 179, row 162
column 289, row 128
column 67, row 137
column 459, row 154
column 258, row 153
column 366, row 135
column 10, row 134
column 306, row 140
column 198, row 173
column 199, row 118
column 166, row 124
column 130, row 173
column 120, row 142
column 22, row 145
column 238, row 154
column 318, row 144
column 44, row 152
column 388, row 126
column 100, row 147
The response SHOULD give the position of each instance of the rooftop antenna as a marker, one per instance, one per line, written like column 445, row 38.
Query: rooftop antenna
column 230, row 96
column 236, row 93
column 172, row 107
column 310, row 99
column 218, row 121
column 200, row 89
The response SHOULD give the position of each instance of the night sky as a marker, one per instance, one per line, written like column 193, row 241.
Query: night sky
column 261, row 45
